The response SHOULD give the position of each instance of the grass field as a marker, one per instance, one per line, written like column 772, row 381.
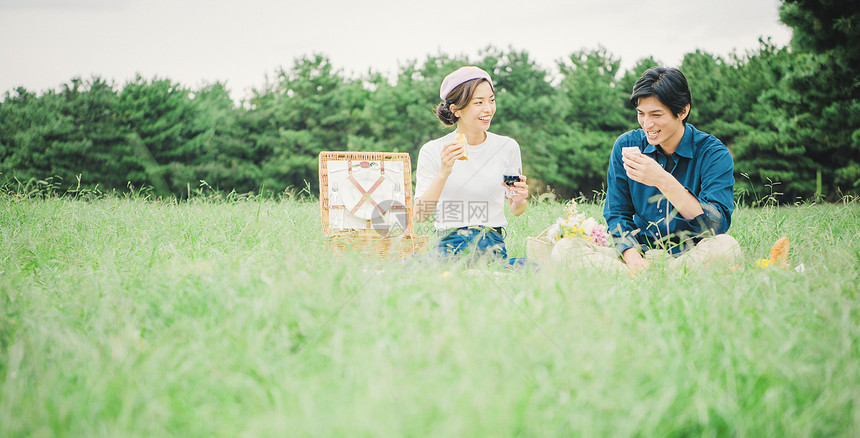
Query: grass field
column 127, row 317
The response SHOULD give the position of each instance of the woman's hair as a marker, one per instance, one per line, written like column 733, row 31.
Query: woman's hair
column 668, row 85
column 460, row 97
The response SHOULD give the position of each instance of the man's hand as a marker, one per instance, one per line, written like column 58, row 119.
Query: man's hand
column 635, row 261
column 644, row 169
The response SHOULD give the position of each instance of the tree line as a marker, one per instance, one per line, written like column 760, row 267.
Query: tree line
column 789, row 115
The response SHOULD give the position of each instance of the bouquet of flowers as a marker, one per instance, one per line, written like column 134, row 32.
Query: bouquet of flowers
column 577, row 225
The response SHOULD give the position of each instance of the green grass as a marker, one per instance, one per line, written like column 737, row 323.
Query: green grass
column 121, row 316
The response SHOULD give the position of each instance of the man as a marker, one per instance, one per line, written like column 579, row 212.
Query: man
column 670, row 186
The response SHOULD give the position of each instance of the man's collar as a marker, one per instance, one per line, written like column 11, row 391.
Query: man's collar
column 685, row 147
column 649, row 149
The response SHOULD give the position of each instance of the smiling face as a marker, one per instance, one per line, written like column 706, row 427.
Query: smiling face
column 660, row 125
column 478, row 113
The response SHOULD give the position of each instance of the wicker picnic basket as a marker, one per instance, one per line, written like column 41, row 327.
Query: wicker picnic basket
column 378, row 247
column 366, row 204
column 539, row 248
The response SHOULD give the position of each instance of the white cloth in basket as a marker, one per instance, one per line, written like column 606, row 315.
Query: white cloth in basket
column 365, row 194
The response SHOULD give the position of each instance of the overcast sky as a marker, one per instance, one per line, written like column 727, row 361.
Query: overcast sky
column 44, row 43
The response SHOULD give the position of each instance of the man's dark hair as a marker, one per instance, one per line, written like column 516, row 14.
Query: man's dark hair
column 668, row 85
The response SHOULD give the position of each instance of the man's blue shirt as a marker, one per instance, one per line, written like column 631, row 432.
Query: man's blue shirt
column 639, row 215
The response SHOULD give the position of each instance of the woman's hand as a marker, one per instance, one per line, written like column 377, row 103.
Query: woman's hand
column 425, row 206
column 451, row 152
column 519, row 193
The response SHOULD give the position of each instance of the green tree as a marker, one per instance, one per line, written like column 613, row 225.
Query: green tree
column 710, row 78
column 22, row 113
column 592, row 113
column 830, row 28
column 400, row 112
column 590, row 83
column 528, row 109
column 803, row 130
column 93, row 145
column 156, row 113
column 63, row 134
column 223, row 156
column 828, row 35
column 519, row 83
column 308, row 109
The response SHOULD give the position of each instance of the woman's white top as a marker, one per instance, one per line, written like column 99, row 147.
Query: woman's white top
column 474, row 193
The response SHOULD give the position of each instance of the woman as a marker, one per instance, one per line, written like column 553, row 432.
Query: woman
column 462, row 186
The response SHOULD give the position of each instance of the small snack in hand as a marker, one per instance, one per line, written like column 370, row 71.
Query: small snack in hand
column 461, row 141
column 630, row 150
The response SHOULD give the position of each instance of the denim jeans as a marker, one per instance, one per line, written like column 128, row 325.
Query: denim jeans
column 481, row 240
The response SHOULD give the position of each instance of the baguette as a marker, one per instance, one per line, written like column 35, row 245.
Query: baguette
column 779, row 253
column 461, row 140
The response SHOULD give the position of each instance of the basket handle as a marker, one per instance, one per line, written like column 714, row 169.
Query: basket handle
column 543, row 232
